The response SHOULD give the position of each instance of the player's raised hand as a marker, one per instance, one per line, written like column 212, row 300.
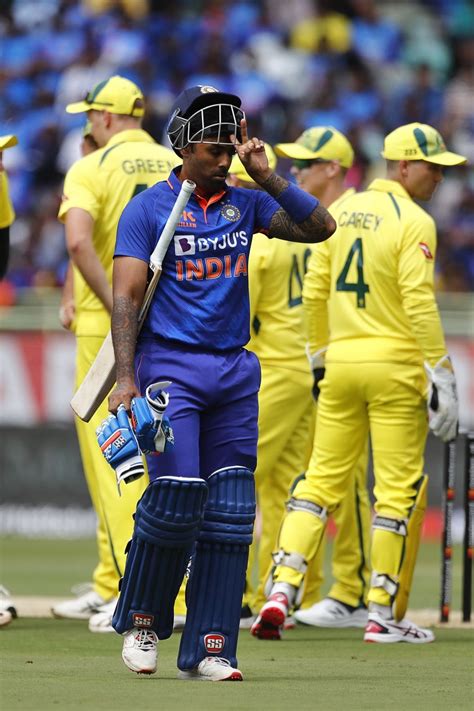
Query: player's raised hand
column 251, row 152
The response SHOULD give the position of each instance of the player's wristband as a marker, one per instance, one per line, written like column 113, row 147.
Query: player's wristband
column 297, row 203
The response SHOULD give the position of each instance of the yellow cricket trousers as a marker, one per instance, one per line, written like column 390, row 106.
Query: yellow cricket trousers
column 351, row 546
column 388, row 400
column 114, row 512
column 285, row 426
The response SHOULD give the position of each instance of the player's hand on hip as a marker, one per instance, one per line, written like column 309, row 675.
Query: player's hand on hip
column 67, row 314
column 122, row 394
column 443, row 408
column 251, row 152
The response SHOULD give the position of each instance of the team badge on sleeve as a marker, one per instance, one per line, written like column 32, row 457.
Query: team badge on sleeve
column 426, row 250
column 231, row 213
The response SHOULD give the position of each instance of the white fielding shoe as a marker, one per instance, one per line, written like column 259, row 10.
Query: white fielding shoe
column 7, row 609
column 212, row 669
column 179, row 622
column 140, row 650
column 102, row 621
column 5, row 618
column 80, row 608
column 332, row 613
column 390, row 631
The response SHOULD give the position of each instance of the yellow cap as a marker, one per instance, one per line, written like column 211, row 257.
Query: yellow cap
column 323, row 142
column 237, row 169
column 7, row 142
column 418, row 141
column 117, row 95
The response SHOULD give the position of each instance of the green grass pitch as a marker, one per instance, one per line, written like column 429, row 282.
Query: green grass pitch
column 57, row 664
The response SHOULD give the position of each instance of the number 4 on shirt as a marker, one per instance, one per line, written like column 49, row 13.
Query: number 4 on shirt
column 360, row 287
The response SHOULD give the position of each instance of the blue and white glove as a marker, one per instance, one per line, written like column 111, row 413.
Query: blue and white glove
column 150, row 424
column 120, row 447
column 443, row 409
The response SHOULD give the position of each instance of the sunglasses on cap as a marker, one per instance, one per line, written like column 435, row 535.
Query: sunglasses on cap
column 301, row 164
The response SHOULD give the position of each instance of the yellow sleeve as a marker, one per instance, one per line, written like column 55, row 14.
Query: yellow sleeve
column 7, row 214
column 258, row 264
column 316, row 288
column 415, row 278
column 81, row 188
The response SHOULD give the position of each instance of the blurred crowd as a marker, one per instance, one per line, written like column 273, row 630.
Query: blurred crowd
column 363, row 66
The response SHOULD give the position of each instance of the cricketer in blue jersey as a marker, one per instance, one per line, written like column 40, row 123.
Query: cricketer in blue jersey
column 200, row 503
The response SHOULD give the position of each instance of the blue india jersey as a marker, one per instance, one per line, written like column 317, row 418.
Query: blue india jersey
column 202, row 297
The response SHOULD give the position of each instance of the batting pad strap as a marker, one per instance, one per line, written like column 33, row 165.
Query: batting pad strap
column 392, row 525
column 216, row 584
column 167, row 523
column 307, row 506
column 290, row 560
column 379, row 580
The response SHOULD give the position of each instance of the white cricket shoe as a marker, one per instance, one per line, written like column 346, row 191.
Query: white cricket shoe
column 7, row 609
column 178, row 623
column 80, row 608
column 247, row 618
column 140, row 650
column 332, row 613
column 270, row 621
column 390, row 631
column 5, row 618
column 102, row 621
column 212, row 669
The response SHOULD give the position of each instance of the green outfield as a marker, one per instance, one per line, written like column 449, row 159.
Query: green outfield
column 57, row 664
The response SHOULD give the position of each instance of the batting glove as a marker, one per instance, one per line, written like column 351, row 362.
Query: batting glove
column 443, row 409
column 120, row 447
column 150, row 424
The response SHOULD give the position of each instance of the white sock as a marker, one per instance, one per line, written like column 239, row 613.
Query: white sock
column 385, row 611
column 286, row 589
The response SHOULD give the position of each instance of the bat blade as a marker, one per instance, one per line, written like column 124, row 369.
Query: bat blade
column 98, row 382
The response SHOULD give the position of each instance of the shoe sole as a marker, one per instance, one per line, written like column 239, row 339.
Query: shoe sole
column 138, row 670
column 192, row 676
column 393, row 639
column 265, row 630
column 85, row 616
column 101, row 630
column 273, row 616
column 334, row 624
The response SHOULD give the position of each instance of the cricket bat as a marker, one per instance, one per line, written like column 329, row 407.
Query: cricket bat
column 100, row 377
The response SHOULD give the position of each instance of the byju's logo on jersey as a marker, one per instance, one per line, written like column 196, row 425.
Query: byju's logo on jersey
column 184, row 245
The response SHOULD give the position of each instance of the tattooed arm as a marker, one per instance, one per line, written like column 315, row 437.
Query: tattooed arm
column 129, row 283
column 315, row 225
column 319, row 226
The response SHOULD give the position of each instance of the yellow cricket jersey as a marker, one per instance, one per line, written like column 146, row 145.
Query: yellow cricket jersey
column 276, row 272
column 369, row 289
column 102, row 183
column 7, row 214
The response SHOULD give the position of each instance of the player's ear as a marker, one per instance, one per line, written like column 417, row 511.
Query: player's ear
column 404, row 167
column 107, row 118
